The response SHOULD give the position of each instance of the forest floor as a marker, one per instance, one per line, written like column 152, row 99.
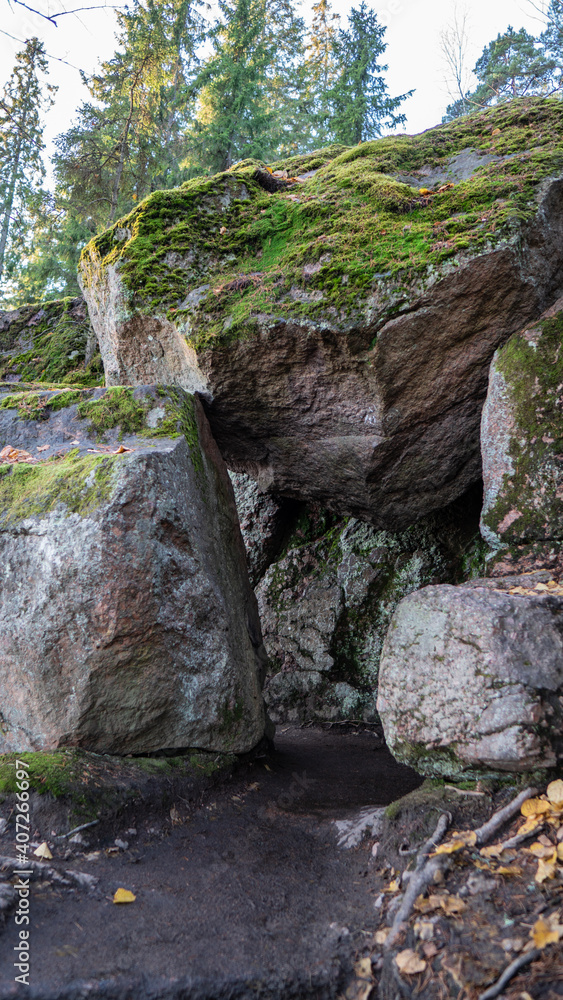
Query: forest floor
column 271, row 886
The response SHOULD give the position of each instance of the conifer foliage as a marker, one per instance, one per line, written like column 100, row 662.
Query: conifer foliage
column 24, row 100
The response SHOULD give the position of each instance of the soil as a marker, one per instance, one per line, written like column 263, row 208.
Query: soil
column 243, row 894
column 278, row 881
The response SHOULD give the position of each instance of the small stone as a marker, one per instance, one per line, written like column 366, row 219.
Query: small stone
column 122, row 844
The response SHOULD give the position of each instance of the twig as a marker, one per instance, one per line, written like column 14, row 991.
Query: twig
column 498, row 819
column 508, row 973
column 45, row 871
column 421, row 877
column 77, row 829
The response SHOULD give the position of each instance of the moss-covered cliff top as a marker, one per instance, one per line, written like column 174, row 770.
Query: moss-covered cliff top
column 218, row 255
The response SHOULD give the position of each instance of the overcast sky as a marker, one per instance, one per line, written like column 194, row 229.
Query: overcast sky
column 413, row 53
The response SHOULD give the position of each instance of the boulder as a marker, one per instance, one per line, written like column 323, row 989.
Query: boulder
column 50, row 342
column 522, row 446
column 337, row 325
column 128, row 621
column 264, row 520
column 471, row 677
column 325, row 604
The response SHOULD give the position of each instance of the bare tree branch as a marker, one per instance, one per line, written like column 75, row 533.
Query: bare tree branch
column 454, row 43
column 52, row 18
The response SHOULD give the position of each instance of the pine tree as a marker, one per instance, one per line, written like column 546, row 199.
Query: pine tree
column 128, row 141
column 513, row 65
column 552, row 40
column 21, row 145
column 361, row 105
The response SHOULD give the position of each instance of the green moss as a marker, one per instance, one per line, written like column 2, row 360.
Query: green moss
column 79, row 484
column 53, row 773
column 58, row 332
column 319, row 251
column 116, row 408
column 533, row 372
column 37, row 404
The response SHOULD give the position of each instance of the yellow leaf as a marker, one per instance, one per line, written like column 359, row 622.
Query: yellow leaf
column 452, row 905
column 393, row 886
column 409, row 962
column 534, row 807
column 424, row 929
column 540, row 850
column 469, row 837
column 43, row 851
column 546, row 932
column 555, row 792
column 509, row 870
column 560, row 852
column 494, row 851
column 546, row 870
column 123, row 896
column 496, row 131
column 423, row 905
column 380, row 937
column 424, row 191
column 530, row 826
column 450, row 847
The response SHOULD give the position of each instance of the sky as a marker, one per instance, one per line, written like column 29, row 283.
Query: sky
column 413, row 54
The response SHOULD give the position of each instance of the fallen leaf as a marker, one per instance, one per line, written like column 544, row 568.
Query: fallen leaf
column 532, row 824
column 123, row 896
column 175, row 815
column 452, row 905
column 409, row 962
column 43, row 447
column 223, row 230
column 429, row 949
column 546, row 932
column 496, row 131
column 555, row 792
column 362, row 968
column 546, row 869
column 424, row 929
column 43, row 851
column 380, row 937
column 509, row 870
column 423, row 905
column 540, row 850
column 393, row 886
column 424, row 191
column 450, row 847
column 494, row 851
column 534, row 807
column 121, row 450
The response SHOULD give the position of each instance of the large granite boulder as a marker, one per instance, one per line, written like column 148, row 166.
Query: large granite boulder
column 128, row 621
column 50, row 342
column 326, row 602
column 471, row 677
column 522, row 445
column 340, row 328
column 264, row 522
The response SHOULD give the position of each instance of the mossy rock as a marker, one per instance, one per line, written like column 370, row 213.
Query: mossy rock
column 50, row 342
column 246, row 252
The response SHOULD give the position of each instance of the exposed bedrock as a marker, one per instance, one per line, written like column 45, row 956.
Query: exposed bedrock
column 128, row 620
column 471, row 677
column 341, row 335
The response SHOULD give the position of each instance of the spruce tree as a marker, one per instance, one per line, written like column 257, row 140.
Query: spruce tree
column 234, row 120
column 129, row 140
column 360, row 103
column 24, row 100
column 321, row 69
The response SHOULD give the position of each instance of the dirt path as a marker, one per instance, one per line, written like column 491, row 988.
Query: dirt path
column 247, row 896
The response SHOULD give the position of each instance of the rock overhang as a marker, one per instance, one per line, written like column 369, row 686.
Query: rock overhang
column 342, row 315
